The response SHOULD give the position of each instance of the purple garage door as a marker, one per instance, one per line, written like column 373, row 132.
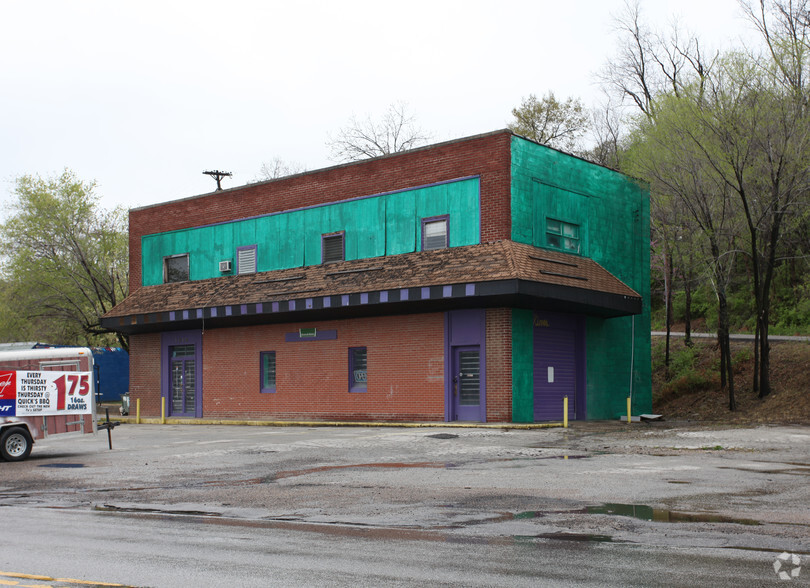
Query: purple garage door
column 555, row 372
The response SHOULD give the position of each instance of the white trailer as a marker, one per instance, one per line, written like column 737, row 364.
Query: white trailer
column 45, row 392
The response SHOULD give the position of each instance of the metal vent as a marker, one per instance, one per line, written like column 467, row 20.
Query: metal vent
column 332, row 248
column 246, row 260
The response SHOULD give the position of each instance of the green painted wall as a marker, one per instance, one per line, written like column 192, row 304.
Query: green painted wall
column 613, row 213
column 522, row 366
column 388, row 224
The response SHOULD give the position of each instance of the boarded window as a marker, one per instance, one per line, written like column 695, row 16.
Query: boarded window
column 246, row 260
column 332, row 248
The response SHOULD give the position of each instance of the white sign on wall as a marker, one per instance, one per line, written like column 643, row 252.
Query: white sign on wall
column 45, row 393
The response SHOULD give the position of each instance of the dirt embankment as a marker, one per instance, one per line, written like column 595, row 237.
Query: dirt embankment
column 690, row 389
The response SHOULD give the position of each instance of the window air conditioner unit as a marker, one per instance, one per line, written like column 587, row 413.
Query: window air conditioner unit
column 225, row 266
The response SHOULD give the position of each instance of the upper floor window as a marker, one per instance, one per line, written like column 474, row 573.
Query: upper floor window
column 175, row 268
column 435, row 233
column 332, row 247
column 562, row 235
column 246, row 260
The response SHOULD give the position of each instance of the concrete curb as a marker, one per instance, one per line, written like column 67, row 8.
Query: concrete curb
column 260, row 423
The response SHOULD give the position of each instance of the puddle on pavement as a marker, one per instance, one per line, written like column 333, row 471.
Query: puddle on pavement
column 61, row 465
column 443, row 436
column 660, row 515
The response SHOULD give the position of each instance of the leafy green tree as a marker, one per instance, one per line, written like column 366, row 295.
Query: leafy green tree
column 65, row 262
column 551, row 122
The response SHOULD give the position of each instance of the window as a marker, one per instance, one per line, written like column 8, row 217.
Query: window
column 246, row 260
column 332, row 247
column 357, row 369
column 175, row 268
column 562, row 235
column 434, row 233
column 268, row 370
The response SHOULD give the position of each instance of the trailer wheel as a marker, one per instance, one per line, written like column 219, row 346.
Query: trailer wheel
column 15, row 444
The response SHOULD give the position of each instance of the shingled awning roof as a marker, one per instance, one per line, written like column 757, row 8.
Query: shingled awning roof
column 502, row 273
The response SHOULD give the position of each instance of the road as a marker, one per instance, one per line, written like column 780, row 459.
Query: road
column 600, row 504
column 732, row 336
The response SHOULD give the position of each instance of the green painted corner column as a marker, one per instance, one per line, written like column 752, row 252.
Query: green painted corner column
column 522, row 366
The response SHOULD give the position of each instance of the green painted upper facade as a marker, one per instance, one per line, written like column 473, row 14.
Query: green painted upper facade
column 385, row 224
column 607, row 215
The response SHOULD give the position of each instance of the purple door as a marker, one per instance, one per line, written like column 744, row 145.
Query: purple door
column 183, row 384
column 555, row 373
column 466, row 382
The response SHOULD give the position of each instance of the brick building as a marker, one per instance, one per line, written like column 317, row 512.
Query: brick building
column 481, row 279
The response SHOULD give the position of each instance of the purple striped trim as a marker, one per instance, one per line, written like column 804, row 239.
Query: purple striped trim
column 199, row 313
column 243, row 309
column 259, row 307
column 344, row 300
column 379, row 194
column 228, row 311
column 291, row 305
column 403, row 294
column 185, row 315
column 447, row 291
column 469, row 290
column 172, row 316
column 384, row 296
column 327, row 301
column 364, row 298
column 425, row 292
column 213, row 312
column 308, row 302
column 274, row 307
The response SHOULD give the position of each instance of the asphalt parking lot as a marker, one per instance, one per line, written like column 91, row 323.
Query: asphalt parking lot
column 660, row 485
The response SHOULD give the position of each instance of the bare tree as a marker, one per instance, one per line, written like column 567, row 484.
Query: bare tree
column 785, row 27
column 607, row 130
column 648, row 64
column 395, row 131
column 278, row 168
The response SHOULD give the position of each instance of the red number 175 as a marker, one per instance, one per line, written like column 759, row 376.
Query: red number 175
column 80, row 380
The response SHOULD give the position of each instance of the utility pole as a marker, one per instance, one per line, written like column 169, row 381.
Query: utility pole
column 218, row 175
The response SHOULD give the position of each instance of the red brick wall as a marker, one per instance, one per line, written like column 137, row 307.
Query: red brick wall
column 499, row 365
column 144, row 373
column 405, row 371
column 486, row 155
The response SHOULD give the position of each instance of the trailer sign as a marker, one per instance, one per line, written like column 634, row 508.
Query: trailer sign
column 33, row 393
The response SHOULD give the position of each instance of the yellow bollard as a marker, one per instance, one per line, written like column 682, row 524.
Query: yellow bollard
column 162, row 411
column 138, row 411
column 565, row 413
column 629, row 413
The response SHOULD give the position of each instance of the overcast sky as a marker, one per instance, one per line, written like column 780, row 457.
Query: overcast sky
column 143, row 96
